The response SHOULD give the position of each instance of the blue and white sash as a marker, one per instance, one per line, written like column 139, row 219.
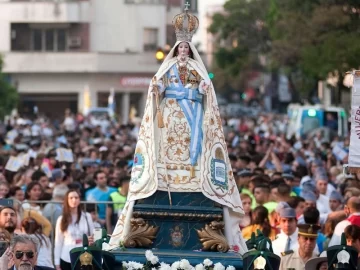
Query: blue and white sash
column 190, row 101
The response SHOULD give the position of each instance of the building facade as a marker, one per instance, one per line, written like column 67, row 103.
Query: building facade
column 69, row 53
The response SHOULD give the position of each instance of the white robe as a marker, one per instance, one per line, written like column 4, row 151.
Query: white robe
column 150, row 165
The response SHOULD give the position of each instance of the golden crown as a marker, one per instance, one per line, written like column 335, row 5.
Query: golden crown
column 185, row 25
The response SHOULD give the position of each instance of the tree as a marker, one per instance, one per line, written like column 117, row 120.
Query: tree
column 247, row 39
column 316, row 38
column 8, row 95
column 308, row 39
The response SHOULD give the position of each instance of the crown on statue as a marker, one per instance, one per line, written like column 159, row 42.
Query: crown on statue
column 185, row 25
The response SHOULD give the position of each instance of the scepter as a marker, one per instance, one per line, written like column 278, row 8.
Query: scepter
column 161, row 125
column 158, row 111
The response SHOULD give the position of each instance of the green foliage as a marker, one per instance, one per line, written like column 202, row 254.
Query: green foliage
column 309, row 39
column 8, row 95
column 243, row 27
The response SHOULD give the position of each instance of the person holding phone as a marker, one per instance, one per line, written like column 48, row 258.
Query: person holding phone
column 69, row 230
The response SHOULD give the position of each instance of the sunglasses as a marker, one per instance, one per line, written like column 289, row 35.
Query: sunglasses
column 20, row 254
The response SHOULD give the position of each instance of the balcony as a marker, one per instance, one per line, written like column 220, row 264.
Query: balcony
column 45, row 11
column 29, row 62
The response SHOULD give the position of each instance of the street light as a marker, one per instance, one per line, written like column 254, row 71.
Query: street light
column 159, row 55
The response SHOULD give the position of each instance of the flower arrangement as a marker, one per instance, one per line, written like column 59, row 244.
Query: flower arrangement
column 152, row 263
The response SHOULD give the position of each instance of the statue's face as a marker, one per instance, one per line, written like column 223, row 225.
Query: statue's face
column 183, row 49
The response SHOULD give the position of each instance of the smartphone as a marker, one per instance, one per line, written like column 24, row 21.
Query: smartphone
column 3, row 247
column 7, row 202
column 97, row 234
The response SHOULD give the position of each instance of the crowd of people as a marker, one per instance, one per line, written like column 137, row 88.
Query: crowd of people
column 286, row 185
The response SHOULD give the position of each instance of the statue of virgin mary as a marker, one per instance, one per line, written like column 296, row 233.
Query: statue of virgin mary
column 181, row 145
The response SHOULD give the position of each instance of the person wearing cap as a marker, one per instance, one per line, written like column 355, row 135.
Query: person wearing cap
column 89, row 165
column 323, row 184
column 322, row 202
column 321, row 181
column 57, row 176
column 105, row 166
column 310, row 199
column 307, row 235
column 287, row 239
column 352, row 210
column 335, row 201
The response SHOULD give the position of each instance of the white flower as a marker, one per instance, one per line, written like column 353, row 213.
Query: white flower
column 219, row 266
column 165, row 266
column 184, row 264
column 134, row 266
column 148, row 254
column 125, row 264
column 230, row 267
column 207, row 262
column 154, row 259
column 154, row 268
column 199, row 267
column 175, row 265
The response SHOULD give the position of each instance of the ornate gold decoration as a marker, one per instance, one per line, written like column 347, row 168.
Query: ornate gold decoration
column 212, row 237
column 310, row 230
column 141, row 235
column 86, row 259
column 202, row 217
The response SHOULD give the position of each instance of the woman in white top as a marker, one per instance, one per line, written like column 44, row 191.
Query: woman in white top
column 30, row 226
column 33, row 193
column 69, row 230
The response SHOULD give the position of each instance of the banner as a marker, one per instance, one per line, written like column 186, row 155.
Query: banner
column 354, row 149
column 14, row 164
column 64, row 155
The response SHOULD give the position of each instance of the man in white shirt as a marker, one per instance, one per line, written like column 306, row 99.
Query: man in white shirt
column 287, row 239
column 352, row 210
column 322, row 202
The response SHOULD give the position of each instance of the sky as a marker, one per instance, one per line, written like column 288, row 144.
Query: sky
column 203, row 5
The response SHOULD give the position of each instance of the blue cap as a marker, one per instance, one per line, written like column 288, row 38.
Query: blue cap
column 287, row 212
column 309, row 186
column 288, row 175
column 106, row 163
column 57, row 173
column 244, row 173
column 88, row 162
column 320, row 170
column 309, row 196
column 320, row 176
column 336, row 196
column 280, row 206
column 317, row 162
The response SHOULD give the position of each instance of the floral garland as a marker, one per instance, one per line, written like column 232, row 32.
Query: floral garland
column 152, row 263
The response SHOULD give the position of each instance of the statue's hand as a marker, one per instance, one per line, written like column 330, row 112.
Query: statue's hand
column 157, row 87
column 203, row 87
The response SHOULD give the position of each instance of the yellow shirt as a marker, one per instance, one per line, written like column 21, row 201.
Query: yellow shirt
column 247, row 231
